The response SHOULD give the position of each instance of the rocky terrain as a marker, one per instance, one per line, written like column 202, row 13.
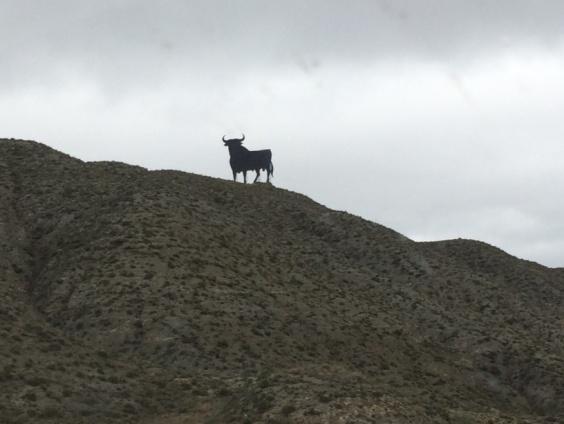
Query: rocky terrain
column 165, row 297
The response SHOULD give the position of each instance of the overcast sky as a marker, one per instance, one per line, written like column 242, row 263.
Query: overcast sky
column 437, row 118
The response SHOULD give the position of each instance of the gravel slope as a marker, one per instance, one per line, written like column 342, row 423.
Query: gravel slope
column 168, row 297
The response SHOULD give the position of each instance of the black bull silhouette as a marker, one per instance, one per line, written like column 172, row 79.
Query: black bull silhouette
column 242, row 159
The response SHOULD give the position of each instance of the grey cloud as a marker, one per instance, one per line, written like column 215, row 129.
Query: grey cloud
column 145, row 39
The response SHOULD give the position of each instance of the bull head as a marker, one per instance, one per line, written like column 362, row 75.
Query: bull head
column 233, row 140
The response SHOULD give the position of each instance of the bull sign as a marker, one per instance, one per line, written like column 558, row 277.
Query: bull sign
column 242, row 159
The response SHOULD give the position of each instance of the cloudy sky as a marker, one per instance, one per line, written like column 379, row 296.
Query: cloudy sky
column 438, row 118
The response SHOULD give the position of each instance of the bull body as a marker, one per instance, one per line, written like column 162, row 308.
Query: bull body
column 242, row 159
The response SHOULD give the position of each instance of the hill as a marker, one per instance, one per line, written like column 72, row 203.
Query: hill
column 165, row 297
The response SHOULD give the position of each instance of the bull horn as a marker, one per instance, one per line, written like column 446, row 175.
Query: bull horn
column 243, row 137
column 223, row 138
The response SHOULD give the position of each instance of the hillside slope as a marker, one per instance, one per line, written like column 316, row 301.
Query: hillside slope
column 167, row 297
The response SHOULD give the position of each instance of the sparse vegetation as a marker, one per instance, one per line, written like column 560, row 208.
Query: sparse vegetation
column 130, row 294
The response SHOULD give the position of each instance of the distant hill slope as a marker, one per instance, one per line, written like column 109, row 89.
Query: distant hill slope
column 168, row 297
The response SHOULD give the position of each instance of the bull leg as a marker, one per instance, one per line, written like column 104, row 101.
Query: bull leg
column 245, row 177
column 234, row 176
column 258, row 175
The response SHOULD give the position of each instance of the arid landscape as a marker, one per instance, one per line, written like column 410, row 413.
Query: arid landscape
column 164, row 297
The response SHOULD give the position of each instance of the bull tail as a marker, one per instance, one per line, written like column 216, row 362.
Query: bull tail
column 271, row 169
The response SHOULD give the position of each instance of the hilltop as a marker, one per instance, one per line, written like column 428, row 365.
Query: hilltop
column 163, row 297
